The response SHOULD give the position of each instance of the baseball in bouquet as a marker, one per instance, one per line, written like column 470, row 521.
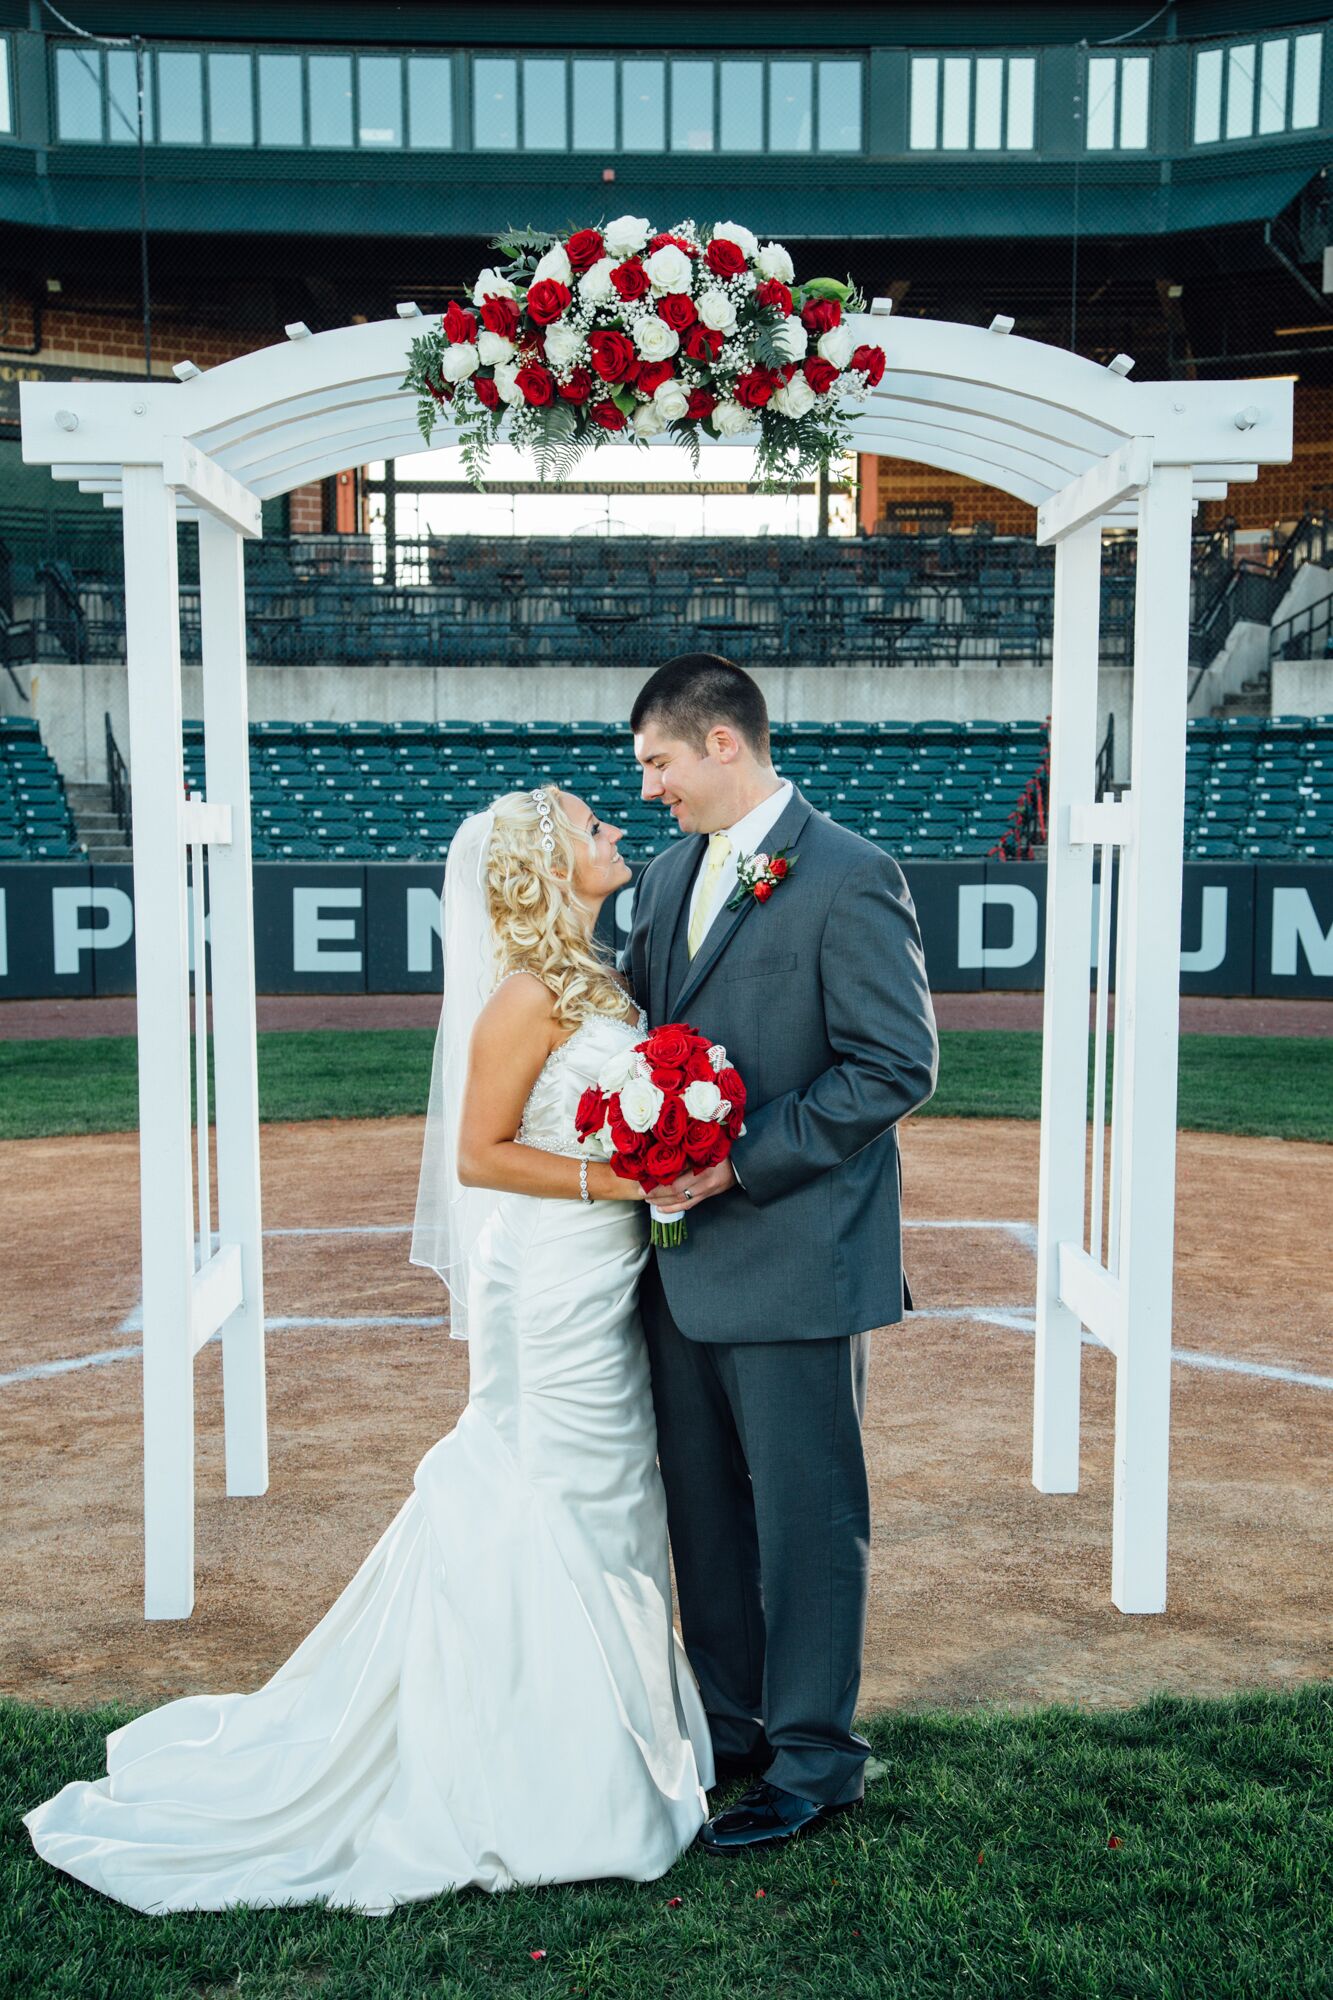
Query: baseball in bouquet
column 659, row 1108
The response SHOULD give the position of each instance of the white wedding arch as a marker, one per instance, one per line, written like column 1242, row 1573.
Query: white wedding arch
column 1080, row 442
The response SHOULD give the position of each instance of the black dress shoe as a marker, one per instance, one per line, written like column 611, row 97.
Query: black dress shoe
column 765, row 1816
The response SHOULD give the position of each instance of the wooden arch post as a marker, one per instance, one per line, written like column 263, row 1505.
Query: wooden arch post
column 1077, row 441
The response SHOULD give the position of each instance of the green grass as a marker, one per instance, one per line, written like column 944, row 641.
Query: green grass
column 981, row 1866
column 1263, row 1086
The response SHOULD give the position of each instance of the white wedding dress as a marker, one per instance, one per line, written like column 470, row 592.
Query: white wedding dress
column 499, row 1695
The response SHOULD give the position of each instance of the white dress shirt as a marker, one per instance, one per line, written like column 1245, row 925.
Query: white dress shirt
column 747, row 836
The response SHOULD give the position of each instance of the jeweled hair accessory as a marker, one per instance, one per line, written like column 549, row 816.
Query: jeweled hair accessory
column 543, row 805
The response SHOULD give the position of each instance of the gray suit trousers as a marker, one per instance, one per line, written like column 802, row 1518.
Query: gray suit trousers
column 769, row 1512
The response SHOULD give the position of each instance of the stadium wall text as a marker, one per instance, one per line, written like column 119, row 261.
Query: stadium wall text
column 67, row 929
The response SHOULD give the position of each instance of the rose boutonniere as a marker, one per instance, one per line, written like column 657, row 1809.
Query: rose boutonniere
column 758, row 875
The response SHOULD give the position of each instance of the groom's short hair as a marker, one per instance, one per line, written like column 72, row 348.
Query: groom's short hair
column 695, row 692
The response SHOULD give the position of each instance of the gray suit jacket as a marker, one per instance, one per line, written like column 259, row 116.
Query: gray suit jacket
column 820, row 996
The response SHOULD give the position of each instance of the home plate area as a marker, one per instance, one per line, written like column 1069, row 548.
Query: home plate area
column 983, row 1589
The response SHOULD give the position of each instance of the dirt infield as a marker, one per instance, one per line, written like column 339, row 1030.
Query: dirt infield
column 983, row 1589
column 44, row 1020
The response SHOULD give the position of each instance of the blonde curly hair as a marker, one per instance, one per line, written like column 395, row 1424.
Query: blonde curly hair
column 536, row 914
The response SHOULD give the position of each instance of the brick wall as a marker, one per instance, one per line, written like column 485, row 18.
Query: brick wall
column 75, row 336
column 1281, row 492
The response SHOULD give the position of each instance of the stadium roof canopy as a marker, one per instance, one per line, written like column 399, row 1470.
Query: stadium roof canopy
column 1013, row 413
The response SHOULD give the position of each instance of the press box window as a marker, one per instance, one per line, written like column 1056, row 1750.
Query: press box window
column 1116, row 115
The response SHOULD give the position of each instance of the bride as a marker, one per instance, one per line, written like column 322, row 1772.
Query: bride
column 499, row 1695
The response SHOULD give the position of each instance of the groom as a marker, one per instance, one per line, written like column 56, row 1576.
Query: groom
column 758, row 1326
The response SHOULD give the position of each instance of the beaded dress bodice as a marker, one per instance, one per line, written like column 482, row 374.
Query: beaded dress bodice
column 548, row 1115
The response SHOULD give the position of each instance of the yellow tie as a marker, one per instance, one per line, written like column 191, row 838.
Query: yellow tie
column 719, row 848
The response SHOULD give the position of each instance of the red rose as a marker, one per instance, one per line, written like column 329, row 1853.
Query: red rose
column 719, row 1145
column 608, row 416
column 820, row 315
column 667, row 1079
column 590, row 1113
column 487, row 392
column 698, row 1069
column 677, row 310
column 753, row 390
column 547, row 300
column 725, row 257
column 820, row 374
column 459, row 325
column 774, row 293
column 664, row 1162
column 789, row 368
column 777, row 868
column 652, row 374
column 702, row 404
column 612, row 355
column 660, row 243
column 630, row 1168
column 669, row 1045
column 500, row 315
column 672, row 1122
column 623, row 1137
column 584, row 249
column 729, row 1083
column 870, row 361
column 700, row 1140
column 441, row 391
column 578, row 388
column 702, row 343
column 762, row 891
column 537, row 385
column 631, row 280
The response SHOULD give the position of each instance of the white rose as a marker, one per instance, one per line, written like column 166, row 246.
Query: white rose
column 730, row 419
column 641, row 1102
column 493, row 347
column 704, row 1100
column 596, row 283
column 617, row 1070
column 774, row 262
column 838, row 345
column 791, row 340
column 598, row 1145
column 555, row 264
column 655, row 340
column 669, row 269
column 459, row 361
column 717, row 1057
column 794, row 398
column 672, row 399
column 717, row 312
column 564, row 344
column 491, row 285
column 744, row 239
column 625, row 235
column 506, row 383
column 648, row 420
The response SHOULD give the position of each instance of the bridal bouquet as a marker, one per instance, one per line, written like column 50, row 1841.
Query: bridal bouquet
column 627, row 331
column 665, row 1104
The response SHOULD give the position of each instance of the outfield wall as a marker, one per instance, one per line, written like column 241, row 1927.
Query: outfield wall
column 67, row 929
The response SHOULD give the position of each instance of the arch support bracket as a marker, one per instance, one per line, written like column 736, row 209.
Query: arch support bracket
column 1116, row 478
column 196, row 477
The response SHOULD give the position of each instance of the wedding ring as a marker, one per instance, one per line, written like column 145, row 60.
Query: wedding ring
column 689, row 1194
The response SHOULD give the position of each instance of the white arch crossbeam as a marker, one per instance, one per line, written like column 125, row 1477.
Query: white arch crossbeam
column 1080, row 443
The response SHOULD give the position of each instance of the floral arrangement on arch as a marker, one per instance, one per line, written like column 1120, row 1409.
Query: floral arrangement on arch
column 626, row 332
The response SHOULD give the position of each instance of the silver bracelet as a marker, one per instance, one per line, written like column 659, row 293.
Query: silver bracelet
column 583, row 1182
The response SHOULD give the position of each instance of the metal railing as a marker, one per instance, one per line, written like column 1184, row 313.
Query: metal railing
column 118, row 780
column 1305, row 635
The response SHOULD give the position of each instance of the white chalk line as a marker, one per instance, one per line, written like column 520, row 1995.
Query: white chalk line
column 1010, row 1319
